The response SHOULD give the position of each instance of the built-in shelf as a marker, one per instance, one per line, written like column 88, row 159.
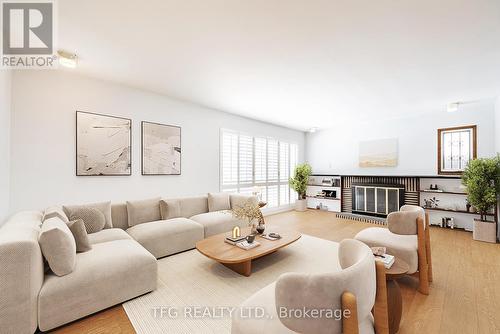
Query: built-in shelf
column 325, row 197
column 458, row 211
column 441, row 192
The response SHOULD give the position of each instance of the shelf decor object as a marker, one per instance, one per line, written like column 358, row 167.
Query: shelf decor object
column 482, row 179
column 103, row 145
column 161, row 149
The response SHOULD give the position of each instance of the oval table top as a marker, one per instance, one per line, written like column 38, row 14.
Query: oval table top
column 215, row 248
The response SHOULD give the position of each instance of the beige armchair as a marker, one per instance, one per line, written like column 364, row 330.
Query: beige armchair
column 406, row 237
column 352, row 293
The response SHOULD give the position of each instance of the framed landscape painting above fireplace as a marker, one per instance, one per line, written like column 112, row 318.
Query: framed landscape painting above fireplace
column 378, row 153
column 161, row 149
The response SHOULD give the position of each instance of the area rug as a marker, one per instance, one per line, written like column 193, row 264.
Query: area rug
column 196, row 294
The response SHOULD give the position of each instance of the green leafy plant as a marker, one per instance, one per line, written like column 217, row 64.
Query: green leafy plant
column 299, row 180
column 482, row 180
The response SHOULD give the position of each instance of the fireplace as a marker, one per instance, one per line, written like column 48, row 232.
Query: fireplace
column 377, row 199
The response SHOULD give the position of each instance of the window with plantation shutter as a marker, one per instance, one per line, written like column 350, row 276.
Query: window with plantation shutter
column 257, row 164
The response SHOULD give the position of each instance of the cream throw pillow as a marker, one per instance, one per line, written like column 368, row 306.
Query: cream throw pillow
column 93, row 219
column 79, row 232
column 144, row 211
column 58, row 246
column 104, row 207
column 218, row 202
column 170, row 208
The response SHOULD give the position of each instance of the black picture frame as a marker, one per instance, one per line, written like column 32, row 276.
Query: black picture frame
column 78, row 112
column 143, row 123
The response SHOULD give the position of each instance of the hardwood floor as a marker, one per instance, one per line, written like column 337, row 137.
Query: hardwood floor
column 464, row 297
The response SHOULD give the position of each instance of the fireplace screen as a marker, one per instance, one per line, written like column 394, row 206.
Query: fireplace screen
column 377, row 200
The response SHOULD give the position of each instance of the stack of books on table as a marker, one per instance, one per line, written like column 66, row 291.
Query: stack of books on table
column 382, row 256
column 246, row 246
column 234, row 241
column 241, row 242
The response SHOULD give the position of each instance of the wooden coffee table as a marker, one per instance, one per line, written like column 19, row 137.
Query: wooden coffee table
column 394, row 298
column 240, row 260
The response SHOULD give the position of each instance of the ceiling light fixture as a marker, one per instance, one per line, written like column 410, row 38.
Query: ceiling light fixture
column 452, row 107
column 313, row 130
column 67, row 59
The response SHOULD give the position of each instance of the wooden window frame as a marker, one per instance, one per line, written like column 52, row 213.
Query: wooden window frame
column 439, row 154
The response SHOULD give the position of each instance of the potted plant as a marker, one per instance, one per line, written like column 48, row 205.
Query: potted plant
column 299, row 183
column 482, row 180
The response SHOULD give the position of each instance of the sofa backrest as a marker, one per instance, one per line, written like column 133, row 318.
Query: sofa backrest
column 189, row 206
column 119, row 215
column 21, row 272
column 194, row 205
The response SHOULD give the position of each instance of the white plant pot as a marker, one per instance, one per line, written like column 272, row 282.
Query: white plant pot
column 484, row 231
column 301, row 205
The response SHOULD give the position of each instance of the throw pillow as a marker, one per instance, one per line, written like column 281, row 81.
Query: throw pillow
column 104, row 207
column 58, row 246
column 144, row 211
column 218, row 202
column 170, row 208
column 93, row 219
column 79, row 232
column 55, row 211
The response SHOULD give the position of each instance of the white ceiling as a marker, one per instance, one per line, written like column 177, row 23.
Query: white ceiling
column 297, row 63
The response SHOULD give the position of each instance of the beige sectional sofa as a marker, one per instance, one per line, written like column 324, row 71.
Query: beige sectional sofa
column 120, row 266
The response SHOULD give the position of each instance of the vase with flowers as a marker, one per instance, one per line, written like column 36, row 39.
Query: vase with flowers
column 250, row 212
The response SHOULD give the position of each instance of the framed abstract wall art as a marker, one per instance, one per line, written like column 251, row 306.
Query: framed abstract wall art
column 103, row 145
column 161, row 149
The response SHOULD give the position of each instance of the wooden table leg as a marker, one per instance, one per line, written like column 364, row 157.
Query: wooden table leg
column 394, row 305
column 243, row 268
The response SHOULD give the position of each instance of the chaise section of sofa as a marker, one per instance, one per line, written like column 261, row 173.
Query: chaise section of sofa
column 165, row 237
column 110, row 273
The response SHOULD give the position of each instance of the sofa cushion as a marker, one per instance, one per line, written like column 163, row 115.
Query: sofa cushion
column 58, row 246
column 144, row 211
column 110, row 234
column 104, row 207
column 191, row 206
column 109, row 274
column 92, row 218
column 170, row 208
column 55, row 211
column 218, row 202
column 166, row 237
column 79, row 232
column 120, row 215
column 401, row 246
column 218, row 222
column 241, row 200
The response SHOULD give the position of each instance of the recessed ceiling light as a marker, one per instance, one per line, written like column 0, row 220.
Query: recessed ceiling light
column 313, row 130
column 452, row 107
column 67, row 59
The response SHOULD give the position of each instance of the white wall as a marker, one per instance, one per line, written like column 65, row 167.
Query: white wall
column 497, row 125
column 43, row 140
column 336, row 150
column 5, row 107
